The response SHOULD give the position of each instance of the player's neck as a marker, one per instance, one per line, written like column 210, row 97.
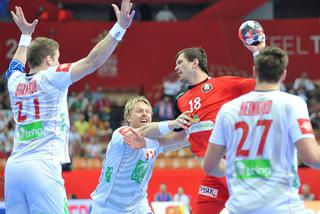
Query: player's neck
column 201, row 77
column 38, row 68
column 264, row 86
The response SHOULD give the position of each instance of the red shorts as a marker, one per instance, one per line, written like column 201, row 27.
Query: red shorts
column 212, row 196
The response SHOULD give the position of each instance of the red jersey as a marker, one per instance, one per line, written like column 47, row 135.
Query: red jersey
column 204, row 100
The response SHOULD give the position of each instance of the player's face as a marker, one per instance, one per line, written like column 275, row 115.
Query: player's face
column 184, row 69
column 140, row 115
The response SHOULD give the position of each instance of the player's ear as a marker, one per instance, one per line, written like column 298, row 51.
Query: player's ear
column 49, row 60
column 195, row 62
column 283, row 76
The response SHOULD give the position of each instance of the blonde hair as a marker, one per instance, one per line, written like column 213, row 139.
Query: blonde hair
column 131, row 103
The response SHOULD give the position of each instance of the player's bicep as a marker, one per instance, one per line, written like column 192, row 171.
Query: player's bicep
column 80, row 69
column 175, row 147
column 213, row 156
column 308, row 151
column 172, row 138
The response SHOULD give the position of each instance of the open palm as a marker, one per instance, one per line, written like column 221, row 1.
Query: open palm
column 24, row 26
column 124, row 15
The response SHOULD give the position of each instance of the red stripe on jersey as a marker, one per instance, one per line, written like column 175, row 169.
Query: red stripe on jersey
column 305, row 126
column 63, row 67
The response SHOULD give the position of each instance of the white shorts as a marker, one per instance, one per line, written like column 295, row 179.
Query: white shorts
column 141, row 208
column 34, row 186
column 292, row 205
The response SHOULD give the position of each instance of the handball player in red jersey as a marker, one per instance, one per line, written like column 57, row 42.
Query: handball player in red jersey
column 204, row 97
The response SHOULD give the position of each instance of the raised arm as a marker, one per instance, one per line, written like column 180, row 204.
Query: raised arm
column 20, row 57
column 102, row 51
column 26, row 30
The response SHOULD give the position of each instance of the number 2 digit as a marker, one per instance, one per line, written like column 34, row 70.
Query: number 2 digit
column 22, row 117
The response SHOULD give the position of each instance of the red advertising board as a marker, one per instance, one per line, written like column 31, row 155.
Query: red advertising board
column 83, row 182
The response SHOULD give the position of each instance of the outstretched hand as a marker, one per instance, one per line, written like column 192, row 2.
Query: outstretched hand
column 184, row 120
column 124, row 15
column 134, row 139
column 24, row 26
column 256, row 48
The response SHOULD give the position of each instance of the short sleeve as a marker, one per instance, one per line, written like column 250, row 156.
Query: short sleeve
column 118, row 134
column 299, row 118
column 60, row 76
column 217, row 135
column 14, row 66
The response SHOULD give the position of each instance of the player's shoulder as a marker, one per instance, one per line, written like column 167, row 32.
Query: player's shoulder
column 290, row 99
column 15, row 67
column 122, row 130
column 117, row 135
column 230, row 78
column 233, row 79
column 181, row 93
column 61, row 68
column 234, row 103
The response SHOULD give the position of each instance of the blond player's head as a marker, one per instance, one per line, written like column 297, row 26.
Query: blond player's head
column 43, row 52
column 270, row 65
column 138, row 112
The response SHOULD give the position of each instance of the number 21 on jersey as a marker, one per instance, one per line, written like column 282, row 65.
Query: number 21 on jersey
column 22, row 117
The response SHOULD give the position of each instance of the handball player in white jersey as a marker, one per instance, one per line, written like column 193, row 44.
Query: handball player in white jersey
column 33, row 181
column 260, row 134
column 129, row 160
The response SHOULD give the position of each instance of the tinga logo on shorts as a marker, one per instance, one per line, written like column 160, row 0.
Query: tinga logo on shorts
column 140, row 171
column 30, row 131
column 258, row 168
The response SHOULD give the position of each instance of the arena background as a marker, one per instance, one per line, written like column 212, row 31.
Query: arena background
column 146, row 57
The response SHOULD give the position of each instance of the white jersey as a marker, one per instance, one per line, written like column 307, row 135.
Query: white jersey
column 39, row 106
column 125, row 175
column 259, row 131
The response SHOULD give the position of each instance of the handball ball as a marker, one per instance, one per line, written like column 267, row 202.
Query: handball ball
column 251, row 33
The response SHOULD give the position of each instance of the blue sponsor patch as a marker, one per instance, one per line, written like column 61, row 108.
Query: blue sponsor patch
column 15, row 65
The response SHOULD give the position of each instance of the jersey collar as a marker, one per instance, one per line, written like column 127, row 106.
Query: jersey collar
column 192, row 86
